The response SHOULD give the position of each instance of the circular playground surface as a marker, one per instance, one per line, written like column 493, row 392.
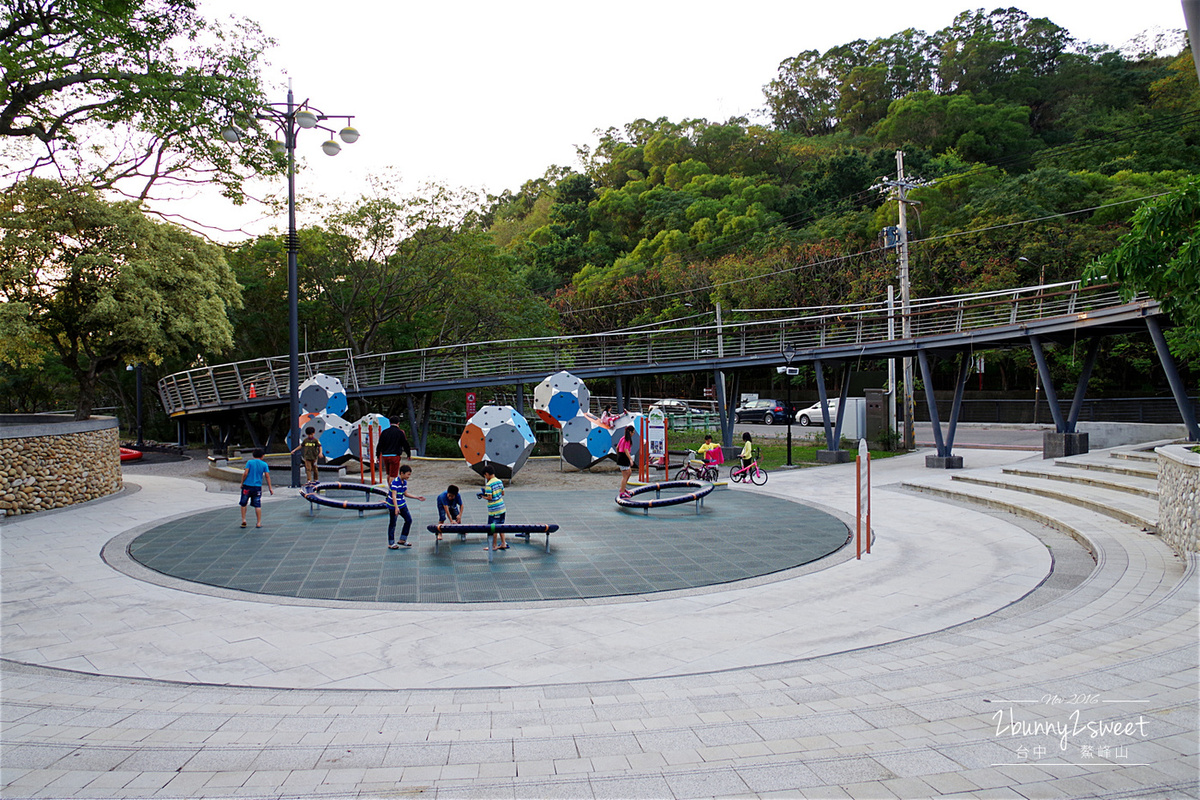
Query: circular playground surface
column 599, row 550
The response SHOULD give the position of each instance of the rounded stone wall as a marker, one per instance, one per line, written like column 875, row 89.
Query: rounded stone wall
column 51, row 461
column 1179, row 497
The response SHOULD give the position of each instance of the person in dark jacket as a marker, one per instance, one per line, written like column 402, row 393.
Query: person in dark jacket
column 392, row 442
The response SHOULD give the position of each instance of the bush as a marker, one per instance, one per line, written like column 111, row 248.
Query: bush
column 442, row 447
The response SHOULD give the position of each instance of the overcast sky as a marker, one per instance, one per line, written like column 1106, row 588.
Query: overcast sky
column 487, row 95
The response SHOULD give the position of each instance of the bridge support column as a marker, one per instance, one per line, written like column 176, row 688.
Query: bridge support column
column 181, row 433
column 944, row 459
column 620, row 392
column 521, row 399
column 1063, row 440
column 1177, row 388
column 832, row 454
column 724, row 409
column 418, row 415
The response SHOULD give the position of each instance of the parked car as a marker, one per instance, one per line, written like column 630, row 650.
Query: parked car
column 672, row 407
column 812, row 414
column 764, row 410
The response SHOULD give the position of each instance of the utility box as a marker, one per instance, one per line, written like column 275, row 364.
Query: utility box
column 877, row 427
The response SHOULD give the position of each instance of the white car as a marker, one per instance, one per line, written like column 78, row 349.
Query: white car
column 812, row 414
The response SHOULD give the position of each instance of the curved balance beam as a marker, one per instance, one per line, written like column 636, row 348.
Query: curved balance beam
column 311, row 493
column 701, row 488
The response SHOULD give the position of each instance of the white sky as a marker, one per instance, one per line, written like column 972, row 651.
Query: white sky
column 487, row 95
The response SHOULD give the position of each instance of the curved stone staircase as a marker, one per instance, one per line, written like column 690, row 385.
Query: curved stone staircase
column 970, row 711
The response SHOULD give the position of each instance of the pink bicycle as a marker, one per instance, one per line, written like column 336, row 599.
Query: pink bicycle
column 751, row 472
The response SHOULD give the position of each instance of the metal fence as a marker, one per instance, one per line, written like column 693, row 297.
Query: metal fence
column 265, row 379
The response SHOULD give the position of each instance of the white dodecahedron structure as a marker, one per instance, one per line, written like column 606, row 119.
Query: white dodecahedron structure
column 618, row 430
column 363, row 441
column 559, row 398
column 585, row 441
column 325, row 393
column 335, row 438
column 499, row 437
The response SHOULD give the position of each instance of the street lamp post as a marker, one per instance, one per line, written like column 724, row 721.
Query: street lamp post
column 288, row 118
column 137, row 375
column 1037, row 376
column 789, row 355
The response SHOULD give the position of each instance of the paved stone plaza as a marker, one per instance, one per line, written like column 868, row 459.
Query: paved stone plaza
column 973, row 653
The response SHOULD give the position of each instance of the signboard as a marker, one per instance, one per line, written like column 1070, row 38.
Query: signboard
column 471, row 398
column 656, row 437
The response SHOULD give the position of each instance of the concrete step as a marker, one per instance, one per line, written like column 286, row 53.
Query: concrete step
column 1136, row 485
column 1136, row 455
column 1106, row 464
column 1140, row 512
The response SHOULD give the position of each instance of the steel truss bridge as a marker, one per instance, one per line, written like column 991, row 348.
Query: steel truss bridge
column 939, row 328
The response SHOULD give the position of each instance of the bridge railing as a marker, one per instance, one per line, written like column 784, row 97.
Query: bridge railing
column 267, row 378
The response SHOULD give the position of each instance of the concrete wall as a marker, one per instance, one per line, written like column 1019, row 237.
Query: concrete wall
column 1179, row 497
column 49, row 461
column 1102, row 435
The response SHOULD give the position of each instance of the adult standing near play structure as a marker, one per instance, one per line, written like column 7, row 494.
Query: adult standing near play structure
column 392, row 442
column 624, row 448
column 396, row 503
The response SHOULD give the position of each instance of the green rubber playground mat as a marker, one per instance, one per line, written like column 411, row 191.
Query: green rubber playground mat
column 600, row 550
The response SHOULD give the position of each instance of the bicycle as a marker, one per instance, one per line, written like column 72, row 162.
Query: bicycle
column 751, row 472
column 693, row 469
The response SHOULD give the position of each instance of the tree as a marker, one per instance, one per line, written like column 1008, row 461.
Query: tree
column 1161, row 256
column 124, row 94
column 102, row 285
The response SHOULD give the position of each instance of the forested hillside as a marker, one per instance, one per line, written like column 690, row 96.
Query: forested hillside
column 1029, row 145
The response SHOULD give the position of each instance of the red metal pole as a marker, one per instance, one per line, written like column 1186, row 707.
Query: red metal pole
column 858, row 506
column 371, row 454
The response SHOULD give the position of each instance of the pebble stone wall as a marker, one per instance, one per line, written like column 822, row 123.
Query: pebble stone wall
column 1179, row 497
column 51, row 461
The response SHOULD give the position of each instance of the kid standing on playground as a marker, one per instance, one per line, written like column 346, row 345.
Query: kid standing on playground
column 747, row 454
column 312, row 452
column 624, row 461
column 493, row 492
column 396, row 504
column 252, row 483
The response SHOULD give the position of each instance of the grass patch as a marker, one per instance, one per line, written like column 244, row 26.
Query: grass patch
column 774, row 451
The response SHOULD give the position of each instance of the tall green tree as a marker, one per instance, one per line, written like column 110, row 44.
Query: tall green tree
column 102, row 285
column 127, row 94
column 1161, row 256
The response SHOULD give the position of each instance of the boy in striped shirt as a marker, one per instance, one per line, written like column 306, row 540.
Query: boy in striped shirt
column 493, row 492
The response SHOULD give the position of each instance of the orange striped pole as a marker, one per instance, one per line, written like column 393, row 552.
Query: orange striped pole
column 858, row 506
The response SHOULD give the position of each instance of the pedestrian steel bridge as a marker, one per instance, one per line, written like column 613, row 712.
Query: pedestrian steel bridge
column 958, row 324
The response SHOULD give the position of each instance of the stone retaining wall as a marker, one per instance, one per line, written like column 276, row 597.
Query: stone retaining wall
column 1179, row 497
column 54, row 461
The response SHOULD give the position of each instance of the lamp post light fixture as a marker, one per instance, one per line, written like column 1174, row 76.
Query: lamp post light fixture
column 288, row 118
column 136, row 369
column 789, row 355
column 1037, row 376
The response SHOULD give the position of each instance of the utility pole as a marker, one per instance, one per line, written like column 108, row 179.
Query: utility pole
column 910, row 439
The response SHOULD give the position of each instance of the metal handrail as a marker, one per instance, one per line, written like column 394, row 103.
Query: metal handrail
column 223, row 384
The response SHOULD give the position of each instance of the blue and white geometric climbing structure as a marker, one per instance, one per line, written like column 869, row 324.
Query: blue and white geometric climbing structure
column 497, row 436
column 559, row 398
column 323, row 393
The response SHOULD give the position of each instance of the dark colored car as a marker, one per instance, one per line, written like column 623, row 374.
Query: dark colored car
column 764, row 410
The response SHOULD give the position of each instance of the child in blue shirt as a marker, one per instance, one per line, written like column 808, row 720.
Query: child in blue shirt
column 396, row 504
column 449, row 506
column 252, row 483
